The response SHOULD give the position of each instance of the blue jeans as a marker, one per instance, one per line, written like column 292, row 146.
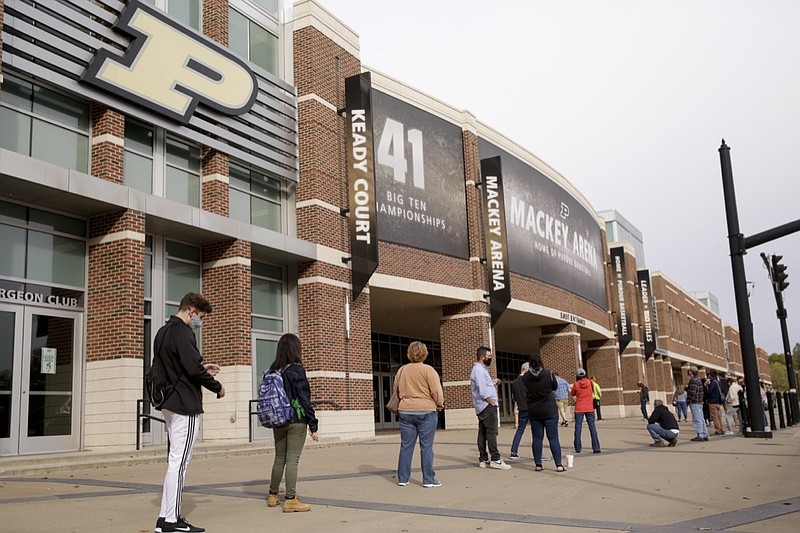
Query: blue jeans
column 644, row 409
column 682, row 409
column 415, row 424
column 592, row 431
column 522, row 423
column 550, row 425
column 699, row 420
column 658, row 433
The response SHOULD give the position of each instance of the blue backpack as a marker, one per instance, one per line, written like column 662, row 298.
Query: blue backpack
column 274, row 408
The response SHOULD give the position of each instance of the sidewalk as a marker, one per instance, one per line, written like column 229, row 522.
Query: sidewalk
column 728, row 483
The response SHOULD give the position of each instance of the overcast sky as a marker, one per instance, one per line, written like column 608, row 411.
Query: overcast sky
column 629, row 101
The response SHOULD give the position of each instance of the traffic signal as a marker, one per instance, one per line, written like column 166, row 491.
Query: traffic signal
column 779, row 274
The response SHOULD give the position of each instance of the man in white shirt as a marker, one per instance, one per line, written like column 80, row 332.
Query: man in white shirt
column 484, row 398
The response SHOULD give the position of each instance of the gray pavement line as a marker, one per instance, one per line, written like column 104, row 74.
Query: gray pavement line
column 91, row 482
column 75, row 496
column 731, row 519
column 435, row 511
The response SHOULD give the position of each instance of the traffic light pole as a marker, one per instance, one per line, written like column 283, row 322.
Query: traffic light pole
column 736, row 242
column 787, row 352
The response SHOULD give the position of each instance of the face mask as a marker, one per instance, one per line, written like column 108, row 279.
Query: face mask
column 196, row 322
column 487, row 361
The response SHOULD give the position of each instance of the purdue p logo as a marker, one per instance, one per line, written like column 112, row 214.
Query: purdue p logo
column 170, row 69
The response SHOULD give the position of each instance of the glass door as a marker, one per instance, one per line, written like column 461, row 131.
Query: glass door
column 382, row 386
column 10, row 378
column 40, row 369
column 51, row 368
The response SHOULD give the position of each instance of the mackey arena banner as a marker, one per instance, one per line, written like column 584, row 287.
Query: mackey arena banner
column 419, row 175
column 551, row 236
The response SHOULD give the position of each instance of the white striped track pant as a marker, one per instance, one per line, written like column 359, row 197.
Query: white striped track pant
column 183, row 431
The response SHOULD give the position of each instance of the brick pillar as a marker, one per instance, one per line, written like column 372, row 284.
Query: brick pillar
column 214, row 173
column 560, row 348
column 215, row 20
column 632, row 371
column 463, row 329
column 339, row 368
column 114, row 328
column 214, row 177
column 601, row 362
column 108, row 143
column 669, row 383
column 655, row 379
column 227, row 337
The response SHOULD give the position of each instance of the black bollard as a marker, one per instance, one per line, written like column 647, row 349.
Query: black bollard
column 787, row 400
column 779, row 397
column 771, row 408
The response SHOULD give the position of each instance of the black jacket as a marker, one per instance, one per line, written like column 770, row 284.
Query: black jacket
column 663, row 417
column 176, row 346
column 540, row 384
column 297, row 388
column 520, row 394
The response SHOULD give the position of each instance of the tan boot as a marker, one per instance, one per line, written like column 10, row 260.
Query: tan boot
column 272, row 500
column 294, row 505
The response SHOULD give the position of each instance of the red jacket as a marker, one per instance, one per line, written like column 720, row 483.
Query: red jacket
column 582, row 390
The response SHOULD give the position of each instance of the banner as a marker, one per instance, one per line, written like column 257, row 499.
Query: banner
column 624, row 335
column 551, row 236
column 419, row 171
column 494, row 228
column 649, row 321
column 361, row 180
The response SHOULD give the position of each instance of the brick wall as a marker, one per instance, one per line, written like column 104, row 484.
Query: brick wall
column 108, row 138
column 215, row 20
column 215, row 192
column 464, row 328
column 116, row 286
column 226, row 285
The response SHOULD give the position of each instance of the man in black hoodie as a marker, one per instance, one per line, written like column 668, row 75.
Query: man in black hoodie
column 662, row 425
column 175, row 347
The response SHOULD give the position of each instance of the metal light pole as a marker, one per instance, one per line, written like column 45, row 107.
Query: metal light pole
column 793, row 413
column 736, row 242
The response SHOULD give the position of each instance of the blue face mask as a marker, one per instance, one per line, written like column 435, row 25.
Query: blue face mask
column 196, row 322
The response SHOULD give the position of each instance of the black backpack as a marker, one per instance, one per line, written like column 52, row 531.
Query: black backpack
column 157, row 384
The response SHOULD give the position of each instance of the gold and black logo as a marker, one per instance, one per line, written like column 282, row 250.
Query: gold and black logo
column 170, row 69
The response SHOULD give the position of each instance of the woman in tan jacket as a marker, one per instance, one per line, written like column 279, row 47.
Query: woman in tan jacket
column 421, row 396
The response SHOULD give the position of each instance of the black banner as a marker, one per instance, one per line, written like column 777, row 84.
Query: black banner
column 361, row 180
column 419, row 170
column 494, row 227
column 649, row 322
column 624, row 335
column 551, row 236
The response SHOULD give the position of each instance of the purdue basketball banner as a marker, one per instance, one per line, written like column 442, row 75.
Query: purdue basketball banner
column 624, row 335
column 361, row 180
column 494, row 227
column 649, row 322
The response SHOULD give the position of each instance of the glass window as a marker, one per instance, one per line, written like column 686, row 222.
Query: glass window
column 254, row 198
column 266, row 296
column 270, row 6
column 56, row 259
column 59, row 223
column 12, row 242
column 252, row 41
column 183, row 251
column 182, row 275
column 44, row 124
column 13, row 212
column 186, row 11
column 138, row 156
column 182, row 177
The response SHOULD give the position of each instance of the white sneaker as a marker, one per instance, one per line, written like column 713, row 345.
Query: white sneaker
column 436, row 483
column 483, row 464
column 402, row 483
column 513, row 457
column 500, row 465
column 729, row 433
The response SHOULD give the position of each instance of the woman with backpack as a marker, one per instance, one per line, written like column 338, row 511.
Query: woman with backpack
column 290, row 439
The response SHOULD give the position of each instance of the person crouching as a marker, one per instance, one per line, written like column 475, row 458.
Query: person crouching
column 662, row 426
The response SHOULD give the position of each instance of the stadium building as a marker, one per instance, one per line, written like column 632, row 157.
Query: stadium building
column 240, row 149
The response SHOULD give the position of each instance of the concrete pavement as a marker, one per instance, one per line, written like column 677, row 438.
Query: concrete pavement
column 725, row 484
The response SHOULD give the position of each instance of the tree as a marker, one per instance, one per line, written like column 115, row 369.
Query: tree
column 780, row 379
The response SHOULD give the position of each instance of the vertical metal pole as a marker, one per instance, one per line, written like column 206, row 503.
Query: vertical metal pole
column 793, row 415
column 737, row 248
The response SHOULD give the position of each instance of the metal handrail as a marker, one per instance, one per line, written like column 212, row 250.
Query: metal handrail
column 253, row 411
column 139, row 417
